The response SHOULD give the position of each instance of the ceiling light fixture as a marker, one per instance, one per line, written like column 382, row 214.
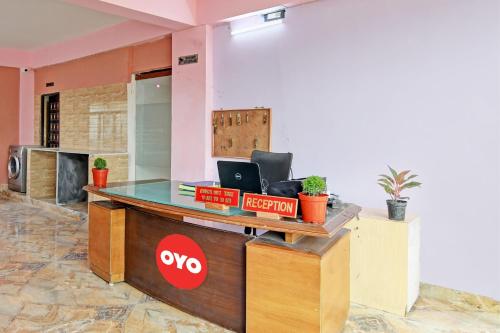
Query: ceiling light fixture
column 277, row 15
column 257, row 22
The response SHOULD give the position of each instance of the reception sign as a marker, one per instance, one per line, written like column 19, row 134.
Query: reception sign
column 218, row 195
column 259, row 203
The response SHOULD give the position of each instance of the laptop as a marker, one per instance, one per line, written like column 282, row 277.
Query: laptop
column 244, row 176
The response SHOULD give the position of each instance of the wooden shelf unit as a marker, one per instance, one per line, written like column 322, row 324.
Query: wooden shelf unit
column 51, row 116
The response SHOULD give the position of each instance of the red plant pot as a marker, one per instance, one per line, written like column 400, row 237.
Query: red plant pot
column 100, row 177
column 313, row 208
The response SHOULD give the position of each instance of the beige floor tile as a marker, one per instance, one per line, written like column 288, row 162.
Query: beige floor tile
column 46, row 286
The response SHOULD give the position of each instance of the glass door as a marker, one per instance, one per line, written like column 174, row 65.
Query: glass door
column 153, row 117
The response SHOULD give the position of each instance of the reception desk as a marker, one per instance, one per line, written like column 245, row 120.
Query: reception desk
column 293, row 277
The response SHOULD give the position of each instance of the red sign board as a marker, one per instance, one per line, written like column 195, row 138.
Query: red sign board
column 181, row 261
column 218, row 195
column 270, row 204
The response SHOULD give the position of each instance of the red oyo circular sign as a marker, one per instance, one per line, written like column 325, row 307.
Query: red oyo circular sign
column 181, row 261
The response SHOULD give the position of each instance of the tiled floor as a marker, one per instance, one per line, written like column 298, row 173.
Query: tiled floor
column 45, row 285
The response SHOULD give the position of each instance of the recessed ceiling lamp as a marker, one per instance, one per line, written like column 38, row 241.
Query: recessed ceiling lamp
column 257, row 22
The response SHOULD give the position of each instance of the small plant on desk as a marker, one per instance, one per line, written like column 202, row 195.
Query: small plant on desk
column 393, row 186
column 313, row 200
column 100, row 172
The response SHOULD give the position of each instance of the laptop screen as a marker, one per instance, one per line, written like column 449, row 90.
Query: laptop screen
column 244, row 176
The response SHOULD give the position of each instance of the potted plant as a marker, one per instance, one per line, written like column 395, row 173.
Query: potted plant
column 313, row 200
column 100, row 172
column 394, row 185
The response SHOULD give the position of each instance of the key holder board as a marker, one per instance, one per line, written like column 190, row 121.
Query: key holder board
column 236, row 133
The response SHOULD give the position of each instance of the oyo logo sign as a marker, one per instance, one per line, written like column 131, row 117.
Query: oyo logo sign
column 181, row 261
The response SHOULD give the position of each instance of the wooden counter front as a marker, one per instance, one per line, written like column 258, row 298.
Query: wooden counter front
column 301, row 287
column 220, row 298
column 106, row 249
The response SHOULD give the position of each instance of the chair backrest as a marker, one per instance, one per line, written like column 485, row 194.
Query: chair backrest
column 274, row 167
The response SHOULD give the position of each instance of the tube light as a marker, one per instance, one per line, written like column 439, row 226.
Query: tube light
column 255, row 27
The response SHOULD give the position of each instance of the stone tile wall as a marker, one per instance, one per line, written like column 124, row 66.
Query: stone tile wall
column 91, row 118
column 41, row 178
column 118, row 170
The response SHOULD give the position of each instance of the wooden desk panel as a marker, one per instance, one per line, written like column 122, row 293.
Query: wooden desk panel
column 220, row 299
column 107, row 240
column 302, row 287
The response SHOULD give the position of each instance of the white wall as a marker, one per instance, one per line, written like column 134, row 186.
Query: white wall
column 355, row 85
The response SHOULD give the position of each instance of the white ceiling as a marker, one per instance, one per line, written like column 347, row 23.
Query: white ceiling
column 30, row 24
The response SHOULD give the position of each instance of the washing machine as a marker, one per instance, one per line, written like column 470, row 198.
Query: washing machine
column 16, row 167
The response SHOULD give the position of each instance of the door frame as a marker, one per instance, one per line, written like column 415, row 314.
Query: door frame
column 131, row 126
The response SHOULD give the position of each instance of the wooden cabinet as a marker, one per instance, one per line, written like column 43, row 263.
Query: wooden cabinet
column 385, row 261
column 51, row 119
column 107, row 240
column 300, row 287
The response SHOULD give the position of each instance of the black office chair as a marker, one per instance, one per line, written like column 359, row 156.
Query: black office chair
column 274, row 167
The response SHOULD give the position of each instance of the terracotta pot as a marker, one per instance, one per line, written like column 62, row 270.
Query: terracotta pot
column 100, row 177
column 313, row 208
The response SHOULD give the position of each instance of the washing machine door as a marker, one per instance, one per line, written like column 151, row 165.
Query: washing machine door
column 14, row 167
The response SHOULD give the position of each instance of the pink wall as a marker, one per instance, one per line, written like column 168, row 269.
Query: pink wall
column 217, row 10
column 26, row 106
column 15, row 58
column 182, row 14
column 173, row 14
column 9, row 115
column 117, row 36
column 153, row 55
column 191, row 104
column 104, row 68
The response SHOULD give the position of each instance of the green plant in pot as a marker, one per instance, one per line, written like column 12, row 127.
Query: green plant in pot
column 394, row 185
column 313, row 200
column 100, row 172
